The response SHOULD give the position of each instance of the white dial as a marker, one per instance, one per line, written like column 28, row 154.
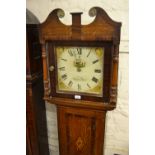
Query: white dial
column 80, row 69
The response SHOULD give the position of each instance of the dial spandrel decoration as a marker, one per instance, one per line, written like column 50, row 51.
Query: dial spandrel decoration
column 80, row 69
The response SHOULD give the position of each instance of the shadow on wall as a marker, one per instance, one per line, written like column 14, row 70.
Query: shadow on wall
column 31, row 18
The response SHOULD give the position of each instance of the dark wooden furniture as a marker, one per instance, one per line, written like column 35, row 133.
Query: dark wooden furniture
column 81, row 122
column 36, row 134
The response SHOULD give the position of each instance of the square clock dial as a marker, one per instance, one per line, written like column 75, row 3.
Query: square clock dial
column 80, row 70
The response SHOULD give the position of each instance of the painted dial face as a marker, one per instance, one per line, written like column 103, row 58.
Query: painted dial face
column 80, row 69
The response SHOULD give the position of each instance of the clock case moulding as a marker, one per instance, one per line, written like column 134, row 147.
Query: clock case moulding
column 103, row 31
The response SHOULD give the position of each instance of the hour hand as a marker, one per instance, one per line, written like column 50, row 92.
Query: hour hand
column 78, row 63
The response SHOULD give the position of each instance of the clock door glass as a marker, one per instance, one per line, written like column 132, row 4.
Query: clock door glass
column 80, row 70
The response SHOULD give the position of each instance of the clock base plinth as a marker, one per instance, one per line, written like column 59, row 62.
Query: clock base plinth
column 81, row 131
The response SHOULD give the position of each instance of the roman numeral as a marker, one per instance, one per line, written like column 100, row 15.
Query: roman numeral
column 64, row 77
column 64, row 59
column 79, row 50
column 97, row 71
column 95, row 61
column 94, row 79
column 70, row 83
column 70, row 53
column 62, row 68
column 88, row 53
column 88, row 85
column 79, row 87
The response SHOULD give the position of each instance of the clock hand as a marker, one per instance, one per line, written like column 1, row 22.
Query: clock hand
column 79, row 64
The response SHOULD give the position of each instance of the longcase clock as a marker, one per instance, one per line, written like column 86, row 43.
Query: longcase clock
column 36, row 131
column 80, row 65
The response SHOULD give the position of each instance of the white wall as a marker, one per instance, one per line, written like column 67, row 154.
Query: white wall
column 116, row 138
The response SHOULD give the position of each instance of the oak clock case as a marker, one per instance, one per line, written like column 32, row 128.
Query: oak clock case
column 36, row 131
column 80, row 65
column 79, row 69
